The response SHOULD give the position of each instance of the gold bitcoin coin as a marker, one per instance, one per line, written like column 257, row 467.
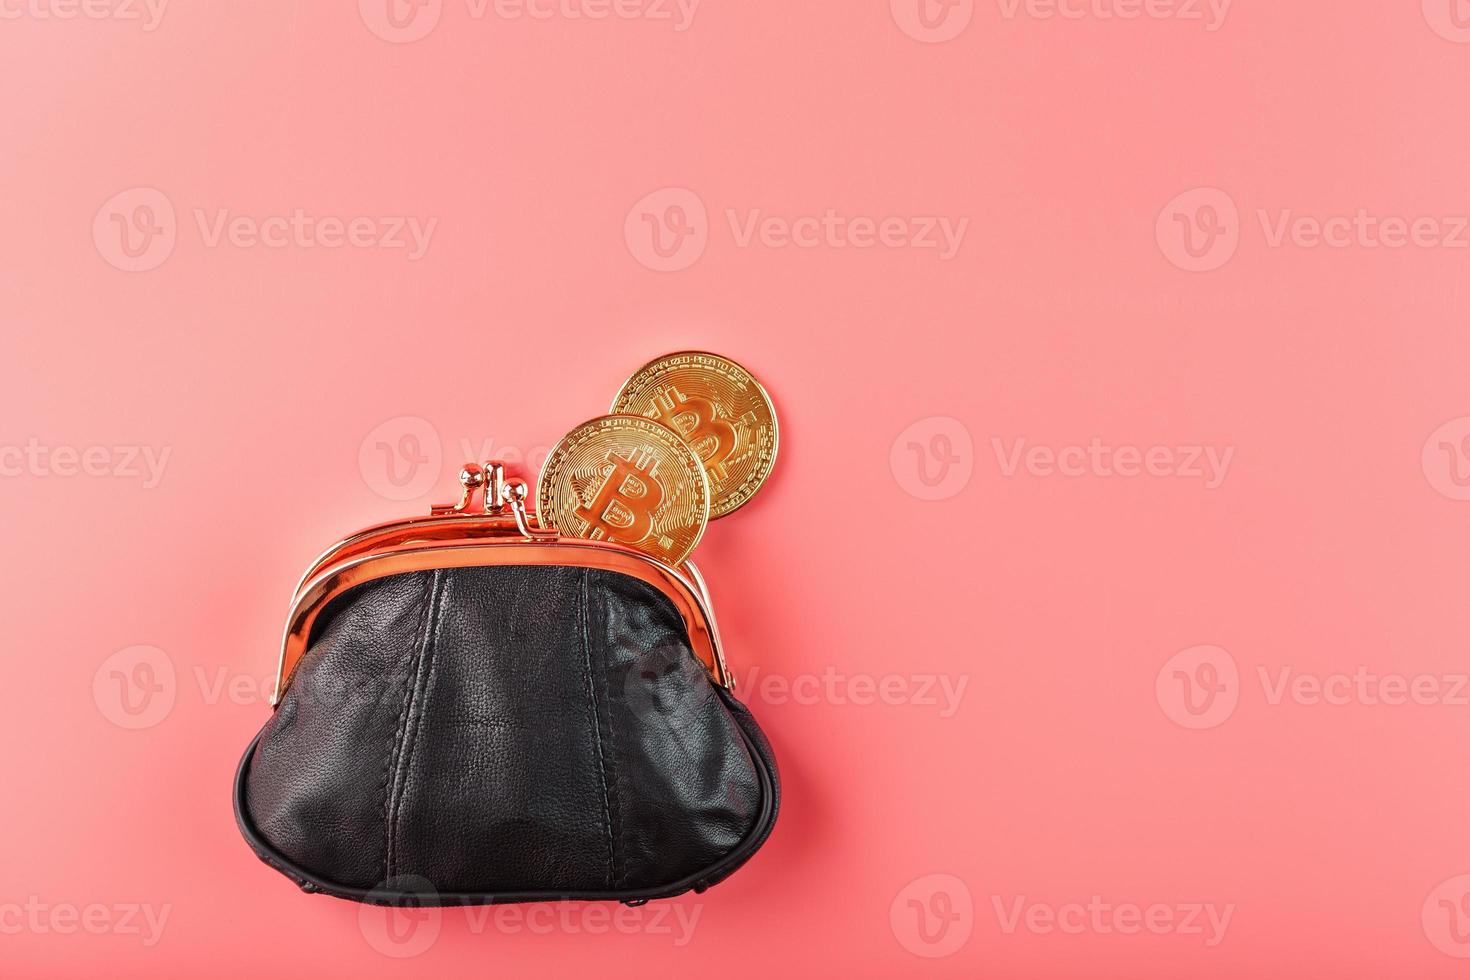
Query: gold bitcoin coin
column 629, row 480
column 720, row 409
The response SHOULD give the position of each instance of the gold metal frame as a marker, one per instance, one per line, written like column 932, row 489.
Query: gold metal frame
column 455, row 537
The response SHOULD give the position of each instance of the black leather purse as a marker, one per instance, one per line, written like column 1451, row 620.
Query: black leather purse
column 471, row 709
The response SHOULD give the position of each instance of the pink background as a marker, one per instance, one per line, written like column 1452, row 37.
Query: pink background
column 1083, row 759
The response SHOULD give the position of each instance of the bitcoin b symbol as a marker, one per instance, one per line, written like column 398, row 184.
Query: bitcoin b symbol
column 711, row 437
column 626, row 479
column 624, row 506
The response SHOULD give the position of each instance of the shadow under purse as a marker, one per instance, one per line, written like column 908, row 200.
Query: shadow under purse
column 473, row 710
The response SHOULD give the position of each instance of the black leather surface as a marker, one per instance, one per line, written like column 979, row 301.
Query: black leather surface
column 506, row 733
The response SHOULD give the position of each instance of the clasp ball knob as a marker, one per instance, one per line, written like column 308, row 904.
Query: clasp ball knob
column 472, row 476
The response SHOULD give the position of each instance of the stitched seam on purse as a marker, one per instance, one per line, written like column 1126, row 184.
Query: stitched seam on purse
column 429, row 658
column 396, row 738
column 400, row 731
column 614, row 807
column 597, row 733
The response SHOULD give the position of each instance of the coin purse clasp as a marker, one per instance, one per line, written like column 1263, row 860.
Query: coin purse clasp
column 500, row 531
